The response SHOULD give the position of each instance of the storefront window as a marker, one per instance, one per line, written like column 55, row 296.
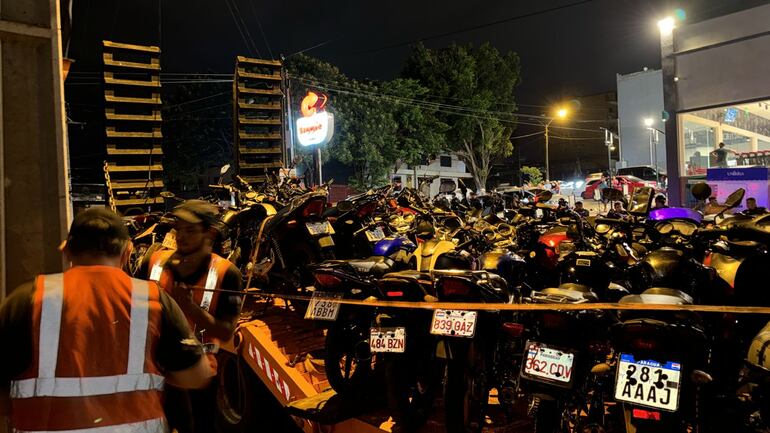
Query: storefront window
column 736, row 142
column 743, row 128
column 698, row 142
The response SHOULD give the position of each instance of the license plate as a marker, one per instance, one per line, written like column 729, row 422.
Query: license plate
column 322, row 228
column 227, row 246
column 375, row 235
column 169, row 241
column 453, row 323
column 392, row 340
column 323, row 306
column 648, row 383
column 548, row 364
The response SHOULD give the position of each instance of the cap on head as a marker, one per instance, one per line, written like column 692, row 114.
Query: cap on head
column 97, row 231
column 196, row 212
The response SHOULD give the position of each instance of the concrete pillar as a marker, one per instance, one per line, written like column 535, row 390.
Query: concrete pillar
column 671, row 105
column 34, row 201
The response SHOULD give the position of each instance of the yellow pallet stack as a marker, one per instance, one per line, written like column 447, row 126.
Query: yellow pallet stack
column 134, row 169
column 258, row 117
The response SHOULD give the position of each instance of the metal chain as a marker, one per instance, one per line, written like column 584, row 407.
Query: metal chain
column 110, row 197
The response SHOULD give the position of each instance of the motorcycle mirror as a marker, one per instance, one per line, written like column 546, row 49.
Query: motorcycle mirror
column 225, row 168
column 544, row 196
column 612, row 194
column 344, row 206
column 641, row 202
column 735, row 198
column 701, row 191
column 447, row 186
column 167, row 194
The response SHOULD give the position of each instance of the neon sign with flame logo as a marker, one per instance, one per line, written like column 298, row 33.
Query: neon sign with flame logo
column 316, row 126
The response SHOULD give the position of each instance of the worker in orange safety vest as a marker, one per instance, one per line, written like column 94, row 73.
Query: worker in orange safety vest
column 194, row 276
column 92, row 347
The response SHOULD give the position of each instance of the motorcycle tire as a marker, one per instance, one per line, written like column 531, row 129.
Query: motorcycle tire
column 466, row 392
column 347, row 359
column 547, row 417
column 411, row 391
column 237, row 408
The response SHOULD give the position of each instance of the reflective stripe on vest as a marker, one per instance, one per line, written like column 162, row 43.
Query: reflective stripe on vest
column 47, row 385
column 211, row 279
column 149, row 426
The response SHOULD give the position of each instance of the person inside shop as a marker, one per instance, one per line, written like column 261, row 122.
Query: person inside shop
column 720, row 155
column 752, row 208
column 580, row 210
column 617, row 211
column 90, row 348
column 208, row 289
column 660, row 202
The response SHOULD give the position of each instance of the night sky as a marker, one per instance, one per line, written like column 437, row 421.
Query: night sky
column 575, row 48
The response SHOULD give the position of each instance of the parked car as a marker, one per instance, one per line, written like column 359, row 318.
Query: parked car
column 619, row 183
column 644, row 172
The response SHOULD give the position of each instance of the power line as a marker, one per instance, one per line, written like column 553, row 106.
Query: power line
column 196, row 100
column 476, row 27
column 238, row 27
column 245, row 27
column 261, row 30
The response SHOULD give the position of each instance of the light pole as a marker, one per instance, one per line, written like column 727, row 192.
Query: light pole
column 648, row 122
column 561, row 113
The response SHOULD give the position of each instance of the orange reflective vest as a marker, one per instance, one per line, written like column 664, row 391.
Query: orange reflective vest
column 93, row 370
column 211, row 281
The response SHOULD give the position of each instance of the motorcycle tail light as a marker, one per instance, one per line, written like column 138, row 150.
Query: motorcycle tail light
column 644, row 344
column 367, row 209
column 327, row 280
column 454, row 287
column 313, row 207
column 554, row 320
column 646, row 414
column 394, row 293
column 513, row 329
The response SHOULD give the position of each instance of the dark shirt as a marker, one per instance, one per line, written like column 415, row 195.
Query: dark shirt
column 175, row 351
column 616, row 215
column 582, row 212
column 759, row 210
column 721, row 156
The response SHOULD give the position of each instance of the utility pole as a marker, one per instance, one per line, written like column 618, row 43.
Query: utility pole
column 547, row 162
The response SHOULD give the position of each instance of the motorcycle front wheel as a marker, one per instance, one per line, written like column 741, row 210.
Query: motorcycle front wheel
column 347, row 358
column 466, row 391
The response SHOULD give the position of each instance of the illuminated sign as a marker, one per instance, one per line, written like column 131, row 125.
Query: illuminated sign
column 316, row 126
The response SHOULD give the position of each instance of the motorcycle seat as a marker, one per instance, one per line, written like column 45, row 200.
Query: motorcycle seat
column 375, row 265
column 566, row 295
column 744, row 245
column 659, row 295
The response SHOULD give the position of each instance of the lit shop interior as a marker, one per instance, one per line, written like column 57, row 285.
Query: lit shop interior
column 743, row 128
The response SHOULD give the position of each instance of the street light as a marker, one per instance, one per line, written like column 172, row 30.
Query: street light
column 666, row 25
column 561, row 113
column 648, row 121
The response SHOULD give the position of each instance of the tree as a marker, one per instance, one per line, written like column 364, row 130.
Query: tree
column 473, row 91
column 197, row 132
column 376, row 129
column 533, row 174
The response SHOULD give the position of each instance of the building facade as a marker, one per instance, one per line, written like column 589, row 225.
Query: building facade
column 640, row 97
column 446, row 168
column 716, row 88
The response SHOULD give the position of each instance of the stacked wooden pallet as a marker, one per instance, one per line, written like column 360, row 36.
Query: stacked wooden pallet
column 258, row 117
column 133, row 170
